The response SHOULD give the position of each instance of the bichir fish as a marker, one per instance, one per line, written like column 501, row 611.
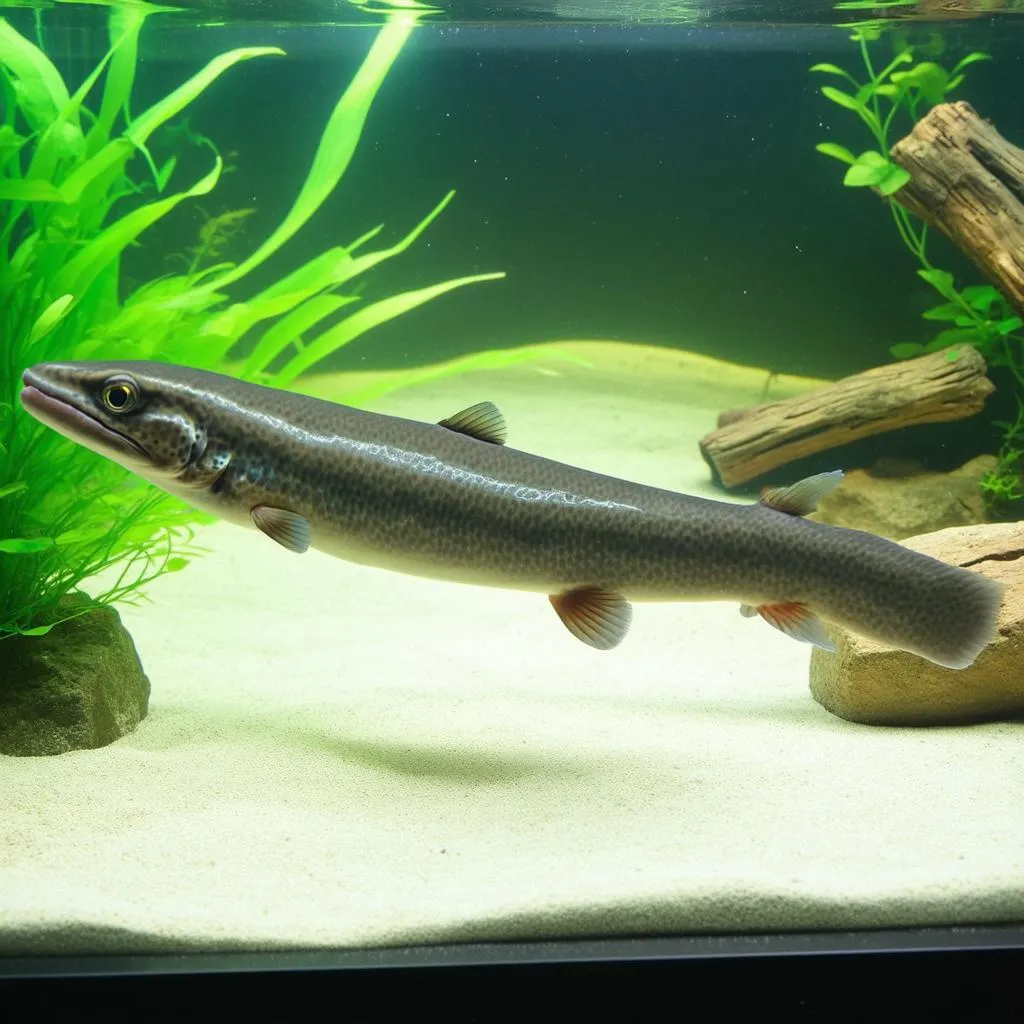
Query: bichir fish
column 452, row 501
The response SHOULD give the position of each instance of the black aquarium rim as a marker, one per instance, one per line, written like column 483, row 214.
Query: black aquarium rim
column 962, row 974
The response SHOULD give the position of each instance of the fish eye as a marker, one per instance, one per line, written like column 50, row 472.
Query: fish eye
column 120, row 396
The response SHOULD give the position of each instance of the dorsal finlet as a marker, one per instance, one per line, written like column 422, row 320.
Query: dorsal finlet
column 482, row 421
column 801, row 498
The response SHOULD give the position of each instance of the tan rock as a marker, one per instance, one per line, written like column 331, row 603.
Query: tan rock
column 868, row 682
column 905, row 501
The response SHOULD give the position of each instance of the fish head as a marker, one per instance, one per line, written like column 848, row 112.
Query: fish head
column 126, row 412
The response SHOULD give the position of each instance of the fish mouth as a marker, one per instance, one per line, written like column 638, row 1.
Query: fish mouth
column 72, row 422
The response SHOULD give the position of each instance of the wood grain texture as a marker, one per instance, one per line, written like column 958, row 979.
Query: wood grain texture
column 968, row 181
column 941, row 386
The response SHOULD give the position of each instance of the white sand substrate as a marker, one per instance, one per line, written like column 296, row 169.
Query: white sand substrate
column 337, row 756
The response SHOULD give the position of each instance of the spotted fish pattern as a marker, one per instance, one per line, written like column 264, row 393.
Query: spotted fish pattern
column 450, row 500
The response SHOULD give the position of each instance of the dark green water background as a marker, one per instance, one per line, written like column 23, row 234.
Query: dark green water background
column 651, row 183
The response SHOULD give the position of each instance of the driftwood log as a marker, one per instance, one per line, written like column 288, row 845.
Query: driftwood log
column 941, row 386
column 968, row 181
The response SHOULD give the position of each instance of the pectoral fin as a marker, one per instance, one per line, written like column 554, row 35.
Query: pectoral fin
column 795, row 620
column 482, row 421
column 598, row 617
column 289, row 529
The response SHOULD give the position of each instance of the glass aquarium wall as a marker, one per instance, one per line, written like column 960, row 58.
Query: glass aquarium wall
column 479, row 471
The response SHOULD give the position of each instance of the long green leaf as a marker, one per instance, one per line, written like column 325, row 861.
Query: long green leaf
column 106, row 164
column 361, row 264
column 125, row 25
column 82, row 270
column 49, row 318
column 833, row 149
column 174, row 103
column 369, row 316
column 337, row 144
column 24, row 546
column 289, row 329
column 24, row 191
column 14, row 488
column 63, row 140
column 844, row 99
column 42, row 93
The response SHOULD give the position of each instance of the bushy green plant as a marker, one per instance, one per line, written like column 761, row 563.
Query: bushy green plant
column 894, row 98
column 78, row 186
column 1003, row 487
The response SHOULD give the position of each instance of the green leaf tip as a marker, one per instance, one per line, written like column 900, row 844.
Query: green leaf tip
column 834, row 150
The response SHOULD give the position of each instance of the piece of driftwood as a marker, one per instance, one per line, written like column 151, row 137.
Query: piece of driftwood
column 946, row 385
column 968, row 181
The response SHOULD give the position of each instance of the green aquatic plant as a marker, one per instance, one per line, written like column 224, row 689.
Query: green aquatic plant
column 78, row 187
column 896, row 96
column 216, row 234
column 1003, row 487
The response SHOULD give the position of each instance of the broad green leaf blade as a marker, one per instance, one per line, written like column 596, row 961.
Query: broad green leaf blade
column 870, row 168
column 971, row 58
column 337, row 144
column 15, row 488
column 1009, row 325
column 893, row 180
column 83, row 535
column 170, row 106
column 980, row 296
column 125, row 26
column 955, row 336
column 324, row 271
column 369, row 316
column 361, row 264
column 830, row 69
column 25, row 546
column 941, row 281
column 49, row 318
column 289, row 329
column 27, row 190
column 35, row 630
column 62, row 141
column 844, row 99
column 931, row 79
column 42, row 93
column 100, row 170
column 947, row 311
column 834, row 150
column 79, row 273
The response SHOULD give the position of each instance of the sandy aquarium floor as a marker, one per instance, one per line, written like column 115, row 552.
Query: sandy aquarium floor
column 338, row 756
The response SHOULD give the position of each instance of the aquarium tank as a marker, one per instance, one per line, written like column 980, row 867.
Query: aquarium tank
column 501, row 472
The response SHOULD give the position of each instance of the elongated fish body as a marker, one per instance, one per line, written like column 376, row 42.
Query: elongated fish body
column 451, row 501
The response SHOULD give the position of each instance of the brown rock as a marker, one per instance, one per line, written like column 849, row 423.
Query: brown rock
column 870, row 683
column 911, row 503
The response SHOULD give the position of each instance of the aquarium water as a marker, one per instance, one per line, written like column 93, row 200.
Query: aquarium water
column 611, row 230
